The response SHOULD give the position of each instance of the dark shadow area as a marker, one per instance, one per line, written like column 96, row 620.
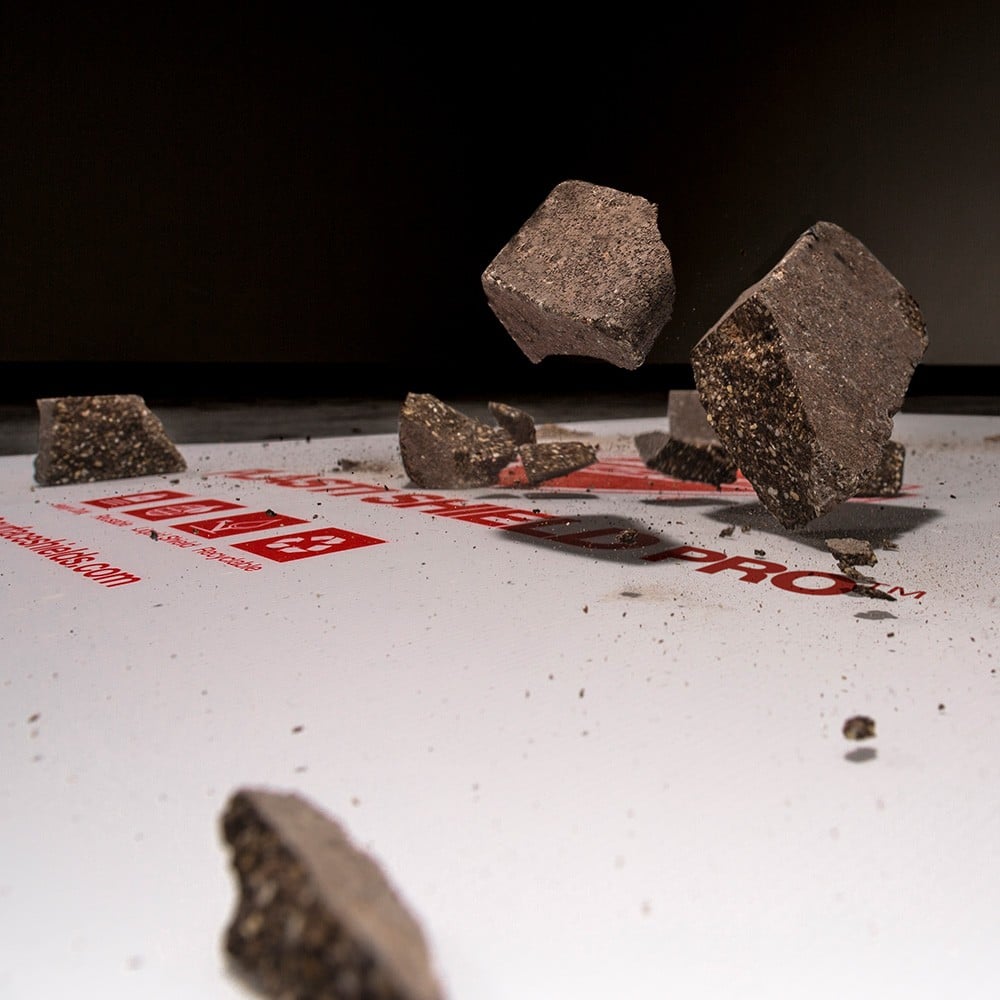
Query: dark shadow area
column 595, row 536
column 861, row 756
column 874, row 616
column 875, row 523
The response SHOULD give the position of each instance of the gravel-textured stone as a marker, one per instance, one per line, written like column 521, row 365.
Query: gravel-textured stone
column 317, row 917
column 443, row 448
column 588, row 274
column 550, row 459
column 887, row 479
column 85, row 439
column 802, row 375
column 690, row 449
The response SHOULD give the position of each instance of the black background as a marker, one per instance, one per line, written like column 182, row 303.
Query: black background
column 295, row 199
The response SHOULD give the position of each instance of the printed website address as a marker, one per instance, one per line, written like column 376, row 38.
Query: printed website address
column 67, row 554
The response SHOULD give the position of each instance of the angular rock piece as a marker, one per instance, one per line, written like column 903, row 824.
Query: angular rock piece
column 852, row 551
column 690, row 451
column 802, row 375
column 317, row 917
column 518, row 424
column 887, row 479
column 549, row 459
column 85, row 439
column 443, row 448
column 588, row 274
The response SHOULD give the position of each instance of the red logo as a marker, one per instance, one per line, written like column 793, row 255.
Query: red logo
column 238, row 524
column 306, row 544
column 182, row 509
column 631, row 474
column 126, row 499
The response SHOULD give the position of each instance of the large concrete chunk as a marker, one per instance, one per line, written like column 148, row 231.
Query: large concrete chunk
column 317, row 917
column 588, row 275
column 84, row 439
column 802, row 375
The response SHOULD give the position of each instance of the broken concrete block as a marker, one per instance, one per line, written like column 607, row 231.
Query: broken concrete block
column 550, row 459
column 317, row 917
column 518, row 424
column 690, row 450
column 802, row 375
column 85, row 439
column 443, row 448
column 887, row 479
column 588, row 274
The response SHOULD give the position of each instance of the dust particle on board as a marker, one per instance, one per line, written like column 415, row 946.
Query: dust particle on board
column 727, row 531
column 153, row 534
column 859, row 727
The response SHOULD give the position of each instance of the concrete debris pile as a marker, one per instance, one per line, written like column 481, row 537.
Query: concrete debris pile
column 443, row 448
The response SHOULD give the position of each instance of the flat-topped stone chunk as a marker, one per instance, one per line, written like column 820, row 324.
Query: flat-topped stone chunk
column 85, row 439
column 550, row 459
column 317, row 917
column 588, row 275
column 802, row 375
column 689, row 449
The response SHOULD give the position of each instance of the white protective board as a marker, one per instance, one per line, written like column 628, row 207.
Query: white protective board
column 595, row 742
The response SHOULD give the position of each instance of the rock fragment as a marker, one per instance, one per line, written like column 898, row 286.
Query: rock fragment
column 859, row 727
column 852, row 551
column 317, row 917
column 690, row 450
column 86, row 439
column 518, row 424
column 887, row 479
column 549, row 459
column 588, row 274
column 802, row 375
column 442, row 448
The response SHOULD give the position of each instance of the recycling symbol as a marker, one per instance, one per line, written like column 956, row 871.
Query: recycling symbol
column 298, row 544
column 303, row 544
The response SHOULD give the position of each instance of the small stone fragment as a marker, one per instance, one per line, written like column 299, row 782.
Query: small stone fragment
column 443, row 448
column 587, row 274
column 549, row 459
column 852, row 551
column 802, row 375
column 518, row 424
column 887, row 479
column 859, row 727
column 317, row 917
column 86, row 439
